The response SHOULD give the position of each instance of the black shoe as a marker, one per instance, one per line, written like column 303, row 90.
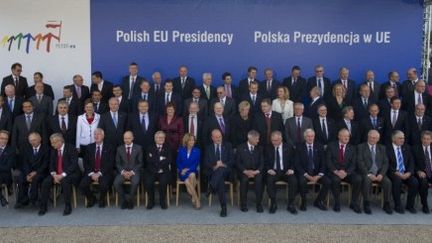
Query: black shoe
column 366, row 208
column 3, row 201
column 292, row 209
column 387, row 208
column 411, row 210
column 303, row 204
column 223, row 212
column 42, row 210
column 259, row 208
column 319, row 204
column 150, row 205
column 399, row 209
column 130, row 205
column 90, row 202
column 102, row 203
column 244, row 208
column 124, row 205
column 355, row 208
column 336, row 207
column 273, row 208
column 425, row 209
column 67, row 210
column 163, row 206
column 18, row 205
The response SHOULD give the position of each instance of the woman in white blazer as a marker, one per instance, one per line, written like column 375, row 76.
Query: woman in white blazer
column 86, row 124
column 283, row 104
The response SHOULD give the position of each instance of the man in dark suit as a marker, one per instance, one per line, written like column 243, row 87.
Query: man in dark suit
column 7, row 161
column 295, row 126
column 395, row 119
column 98, row 168
column 202, row 104
column 310, row 167
column 124, row 103
column 15, row 79
column 216, row 121
column 64, row 171
column 193, row 124
column 25, row 124
column 296, row 85
column 372, row 122
column 5, row 116
column 228, row 103
column 393, row 81
column 80, row 91
column 253, row 97
column 73, row 103
column 98, row 106
column 208, row 91
column 113, row 123
column 63, row 123
column 167, row 97
column 218, row 160
column 157, row 86
column 34, row 169
column 418, row 96
column 184, row 84
column 142, row 124
column 408, row 85
column 129, row 163
column 320, row 81
column 361, row 103
column 325, row 127
column 279, row 166
column 372, row 166
column 385, row 103
column 130, row 84
column 348, row 123
column 231, row 90
column 13, row 103
column 401, row 170
column 341, row 166
column 250, row 167
column 316, row 100
column 267, row 121
column 374, row 86
column 268, row 87
column 43, row 104
column 418, row 123
column 423, row 164
column 349, row 84
column 47, row 89
column 101, row 85
column 244, row 83
column 145, row 94
column 158, row 162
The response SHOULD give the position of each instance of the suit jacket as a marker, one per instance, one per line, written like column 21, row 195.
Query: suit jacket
column 17, row 106
column 212, row 123
column 254, row 107
column 312, row 82
column 20, row 90
column 332, row 158
column 101, row 108
column 271, row 94
column 241, row 128
column 302, row 159
column 375, row 91
column 351, row 89
column 212, row 93
column 401, row 124
column 234, row 92
column 297, row 90
column 260, row 125
column 384, row 106
column 355, row 132
column 70, row 161
column 243, row 86
column 419, row 157
column 202, row 104
column 408, row 102
column 38, row 162
column 7, row 160
column 106, row 91
column 366, row 125
column 113, row 134
column 288, row 158
column 54, row 126
column 247, row 160
column 44, row 107
column 48, row 91
column 85, row 94
column 414, row 135
column 360, row 110
column 364, row 159
column 158, row 161
column 387, row 84
column 311, row 110
column 407, row 88
column 198, row 129
column 151, row 99
column 210, row 157
column 186, row 92
column 229, row 106
column 6, row 120
column 143, row 138
column 175, row 98
column 407, row 157
column 75, row 108
column 125, row 105
column 20, row 131
column 135, row 163
column 106, row 162
column 125, row 84
column 291, row 129
column 331, row 131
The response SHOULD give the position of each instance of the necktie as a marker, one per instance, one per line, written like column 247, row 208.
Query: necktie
column 157, row 88
column 374, row 122
column 268, row 126
column 420, row 99
column 63, row 124
column 344, row 84
column 131, row 87
column 222, row 125
column 39, row 98
column 341, row 158
column 293, row 81
column 222, row 102
column 115, row 120
column 128, row 152
column 348, row 124
column 320, row 87
column 16, row 81
column 268, row 85
column 228, row 90
column 278, row 165
column 394, row 118
column 207, row 91
column 28, row 121
column 143, row 124
column 251, row 149
column 419, row 123
column 365, row 103
column 159, row 148
column 298, row 130
column 192, row 125
column 311, row 166
column 371, row 87
column 59, row 162
column 253, row 99
column 374, row 168
column 400, row 161
column 11, row 104
column 97, row 159
column 218, row 152
column 182, row 82
column 428, row 164
column 167, row 98
column 324, row 129
column 35, row 152
column 78, row 90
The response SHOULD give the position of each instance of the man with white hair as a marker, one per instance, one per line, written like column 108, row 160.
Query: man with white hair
column 13, row 103
column 184, row 84
column 217, row 121
column 157, row 86
column 208, row 91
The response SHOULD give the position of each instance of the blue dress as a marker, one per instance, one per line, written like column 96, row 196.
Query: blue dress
column 191, row 162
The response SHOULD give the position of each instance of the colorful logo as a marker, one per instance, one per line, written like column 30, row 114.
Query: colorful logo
column 53, row 29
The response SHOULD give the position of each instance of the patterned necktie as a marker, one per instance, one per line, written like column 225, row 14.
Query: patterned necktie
column 97, row 159
column 28, row 121
column 277, row 159
column 419, row 123
column 374, row 167
column 394, row 118
column 400, row 161
column 420, row 99
column 128, row 152
column 222, row 125
column 218, row 152
column 192, row 125
column 115, row 120
column 428, row 163
column 341, row 158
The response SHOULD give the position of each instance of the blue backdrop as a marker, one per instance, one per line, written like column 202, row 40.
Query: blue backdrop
column 401, row 18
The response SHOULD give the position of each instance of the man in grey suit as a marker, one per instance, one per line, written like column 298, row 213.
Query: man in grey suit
column 129, row 162
column 372, row 164
column 227, row 102
column 43, row 104
column 295, row 126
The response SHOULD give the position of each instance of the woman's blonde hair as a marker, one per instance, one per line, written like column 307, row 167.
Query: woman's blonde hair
column 186, row 138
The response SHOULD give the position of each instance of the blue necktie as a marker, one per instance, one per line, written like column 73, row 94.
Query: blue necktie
column 400, row 161
column 143, row 124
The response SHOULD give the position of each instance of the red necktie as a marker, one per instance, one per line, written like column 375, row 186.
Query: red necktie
column 128, row 153
column 97, row 159
column 341, row 154
column 59, row 162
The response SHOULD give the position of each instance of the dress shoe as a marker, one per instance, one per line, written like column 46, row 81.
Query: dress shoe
column 259, row 208
column 102, row 203
column 425, row 209
column 336, row 207
column 411, row 210
column 150, row 205
column 163, row 206
column 303, row 204
column 42, row 210
column 3, row 201
column 387, row 208
column 399, row 209
column 366, row 208
column 319, row 204
column 223, row 212
column 130, row 205
column 244, row 208
column 67, row 210
column 273, row 208
column 355, row 208
column 292, row 209
column 90, row 202
column 124, row 205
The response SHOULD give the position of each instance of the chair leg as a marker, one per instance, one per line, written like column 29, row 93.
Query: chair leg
column 74, row 196
column 177, row 193
column 116, row 199
column 232, row 194
column 138, row 197
column 210, row 199
column 108, row 198
column 168, row 195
